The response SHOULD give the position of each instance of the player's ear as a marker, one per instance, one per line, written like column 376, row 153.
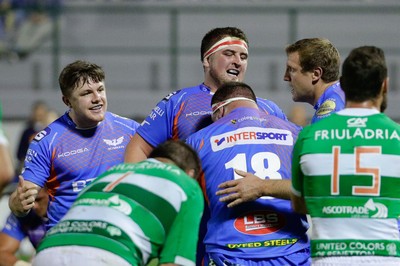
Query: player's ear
column 66, row 101
column 218, row 114
column 191, row 173
column 385, row 85
column 317, row 74
column 206, row 62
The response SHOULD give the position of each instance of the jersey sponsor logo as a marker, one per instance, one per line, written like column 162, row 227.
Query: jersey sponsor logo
column 43, row 133
column 30, row 155
column 120, row 205
column 357, row 122
column 251, row 118
column 73, row 152
column 113, row 231
column 78, row 227
column 370, row 209
column 81, row 184
column 363, row 133
column 326, row 107
column 380, row 209
column 145, row 165
column 251, row 135
column 113, row 202
column 166, row 98
column 354, row 248
column 260, row 223
column 392, row 249
column 198, row 113
column 156, row 111
column 267, row 243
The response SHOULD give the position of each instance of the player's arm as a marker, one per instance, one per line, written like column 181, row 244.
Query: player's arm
column 181, row 242
column 298, row 204
column 297, row 190
column 8, row 248
column 137, row 150
column 23, row 198
column 251, row 187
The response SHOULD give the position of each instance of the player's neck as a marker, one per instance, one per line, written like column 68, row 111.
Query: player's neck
column 321, row 89
column 365, row 104
column 211, row 86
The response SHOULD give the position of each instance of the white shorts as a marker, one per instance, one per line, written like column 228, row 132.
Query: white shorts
column 77, row 256
column 356, row 261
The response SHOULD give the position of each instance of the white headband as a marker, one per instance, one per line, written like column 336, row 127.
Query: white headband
column 223, row 43
column 216, row 106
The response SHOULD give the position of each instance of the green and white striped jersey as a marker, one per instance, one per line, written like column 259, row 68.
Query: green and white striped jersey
column 137, row 211
column 347, row 167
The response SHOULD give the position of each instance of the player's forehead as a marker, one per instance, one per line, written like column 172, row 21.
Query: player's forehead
column 293, row 59
column 89, row 84
column 234, row 49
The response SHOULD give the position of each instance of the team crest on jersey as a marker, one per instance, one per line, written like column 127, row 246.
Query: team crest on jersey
column 251, row 135
column 326, row 107
column 43, row 133
column 114, row 142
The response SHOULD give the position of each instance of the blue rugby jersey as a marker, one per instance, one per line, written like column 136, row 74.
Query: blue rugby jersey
column 31, row 226
column 331, row 101
column 249, row 140
column 66, row 159
column 184, row 112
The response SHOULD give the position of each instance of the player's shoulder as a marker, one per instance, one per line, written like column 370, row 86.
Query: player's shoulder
column 334, row 95
column 198, row 135
column 281, row 123
column 333, row 120
column 188, row 92
column 265, row 101
column 57, row 127
column 115, row 118
column 266, row 104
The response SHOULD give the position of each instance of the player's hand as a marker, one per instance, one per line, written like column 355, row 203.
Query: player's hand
column 246, row 189
column 25, row 196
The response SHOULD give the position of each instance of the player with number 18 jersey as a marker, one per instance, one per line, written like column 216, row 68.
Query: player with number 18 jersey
column 250, row 140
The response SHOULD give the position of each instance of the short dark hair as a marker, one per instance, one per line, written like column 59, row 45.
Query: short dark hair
column 317, row 52
column 363, row 73
column 183, row 155
column 217, row 34
column 78, row 73
column 233, row 89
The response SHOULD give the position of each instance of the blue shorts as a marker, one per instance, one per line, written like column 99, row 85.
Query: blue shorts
column 299, row 258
